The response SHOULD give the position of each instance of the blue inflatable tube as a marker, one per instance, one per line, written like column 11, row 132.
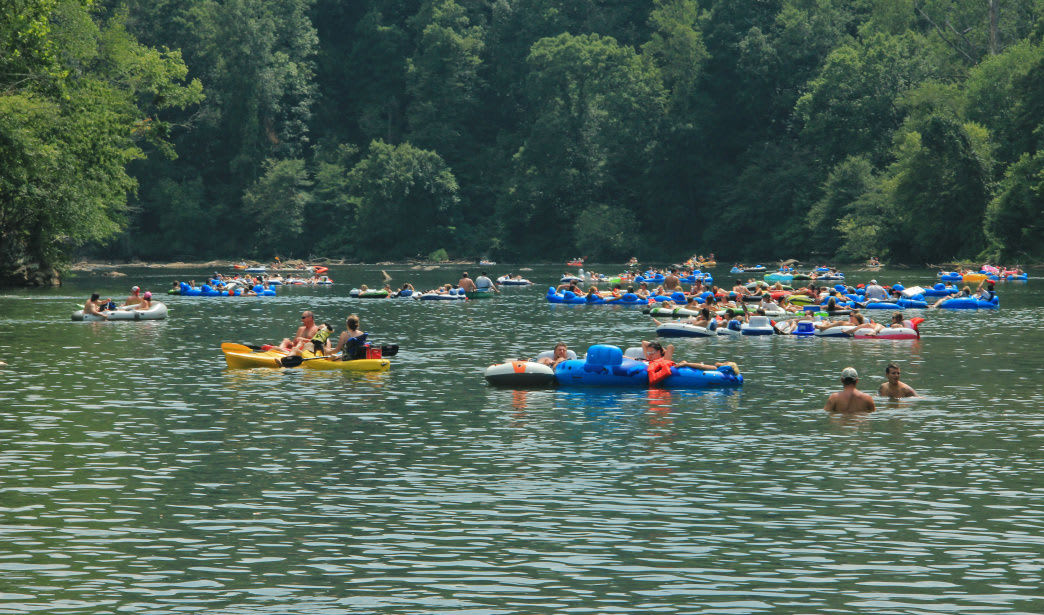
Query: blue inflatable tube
column 881, row 305
column 912, row 304
column 941, row 290
column 606, row 366
column 565, row 297
column 951, row 276
column 970, row 303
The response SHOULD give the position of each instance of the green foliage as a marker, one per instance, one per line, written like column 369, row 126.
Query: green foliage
column 407, row 201
column 605, row 233
column 71, row 126
column 940, row 193
column 758, row 129
column 1015, row 218
column 847, row 184
column 595, row 110
column 439, row 256
column 276, row 204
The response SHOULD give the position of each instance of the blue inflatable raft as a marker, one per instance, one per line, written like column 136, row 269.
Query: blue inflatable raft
column 605, row 365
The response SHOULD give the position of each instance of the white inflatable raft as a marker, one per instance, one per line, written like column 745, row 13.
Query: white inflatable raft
column 158, row 311
column 681, row 329
column 519, row 373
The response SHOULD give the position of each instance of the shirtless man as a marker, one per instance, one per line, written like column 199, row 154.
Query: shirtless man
column 671, row 282
column 893, row 387
column 304, row 333
column 94, row 306
column 134, row 298
column 561, row 354
column 849, row 399
column 466, row 283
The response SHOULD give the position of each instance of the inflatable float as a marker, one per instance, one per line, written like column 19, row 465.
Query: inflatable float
column 681, row 329
column 970, row 303
column 909, row 331
column 519, row 373
column 453, row 294
column 238, row 356
column 208, row 290
column 506, row 281
column 158, row 311
column 370, row 293
column 605, row 365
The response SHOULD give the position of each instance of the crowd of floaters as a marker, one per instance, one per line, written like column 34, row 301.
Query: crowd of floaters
column 683, row 301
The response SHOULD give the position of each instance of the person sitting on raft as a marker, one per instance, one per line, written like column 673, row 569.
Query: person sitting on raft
column 466, row 283
column 135, row 297
column 854, row 319
column 643, row 290
column 145, row 303
column 655, row 352
column 483, row 283
column 561, row 353
column 986, row 294
column 349, row 345
column 965, row 292
column 304, row 333
column 94, row 306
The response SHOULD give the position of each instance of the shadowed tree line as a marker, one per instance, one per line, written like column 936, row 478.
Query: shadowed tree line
column 521, row 129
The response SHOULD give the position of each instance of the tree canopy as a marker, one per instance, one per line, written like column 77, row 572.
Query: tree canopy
column 534, row 129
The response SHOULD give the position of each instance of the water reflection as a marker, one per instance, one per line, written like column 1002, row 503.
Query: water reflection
column 141, row 475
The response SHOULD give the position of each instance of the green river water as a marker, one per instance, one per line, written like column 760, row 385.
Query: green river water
column 139, row 475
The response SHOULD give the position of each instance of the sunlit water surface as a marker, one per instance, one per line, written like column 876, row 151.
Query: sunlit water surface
column 139, row 475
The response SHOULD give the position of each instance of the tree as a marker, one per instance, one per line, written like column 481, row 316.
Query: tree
column 938, row 200
column 606, row 233
column 407, row 201
column 848, row 182
column 69, row 126
column 276, row 205
column 442, row 80
column 1015, row 218
column 595, row 112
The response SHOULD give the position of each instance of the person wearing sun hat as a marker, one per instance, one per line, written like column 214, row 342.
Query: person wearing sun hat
column 849, row 398
column 135, row 297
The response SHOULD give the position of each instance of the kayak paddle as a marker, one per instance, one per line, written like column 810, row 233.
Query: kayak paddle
column 295, row 360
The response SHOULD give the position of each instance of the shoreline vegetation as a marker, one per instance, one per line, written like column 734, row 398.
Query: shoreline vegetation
column 830, row 131
column 90, row 266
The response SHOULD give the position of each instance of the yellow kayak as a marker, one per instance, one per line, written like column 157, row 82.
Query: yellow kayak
column 239, row 356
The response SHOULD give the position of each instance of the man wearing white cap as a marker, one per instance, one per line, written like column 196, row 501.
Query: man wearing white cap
column 849, row 399
column 134, row 298
column 875, row 292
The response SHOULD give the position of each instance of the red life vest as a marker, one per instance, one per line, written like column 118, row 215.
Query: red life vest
column 658, row 370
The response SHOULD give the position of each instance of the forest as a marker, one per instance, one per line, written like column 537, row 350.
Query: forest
column 521, row 129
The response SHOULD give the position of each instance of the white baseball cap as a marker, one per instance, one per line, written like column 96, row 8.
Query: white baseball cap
column 849, row 373
column 134, row 289
column 873, row 281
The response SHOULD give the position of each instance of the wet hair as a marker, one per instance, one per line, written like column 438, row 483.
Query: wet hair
column 890, row 367
column 95, row 296
column 897, row 317
column 352, row 322
column 705, row 313
column 656, row 346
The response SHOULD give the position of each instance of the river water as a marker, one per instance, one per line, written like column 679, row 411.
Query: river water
column 139, row 475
